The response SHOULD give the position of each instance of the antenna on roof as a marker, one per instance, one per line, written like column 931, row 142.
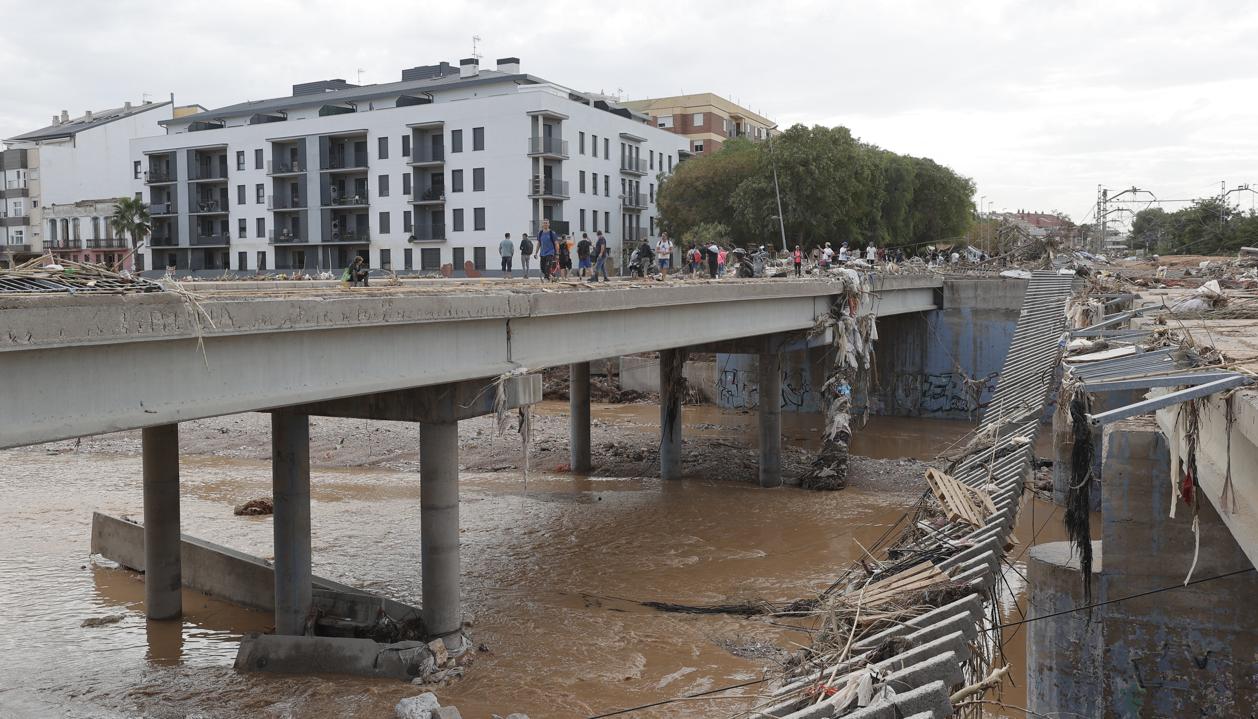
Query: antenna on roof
column 475, row 45
column 144, row 98
column 360, row 76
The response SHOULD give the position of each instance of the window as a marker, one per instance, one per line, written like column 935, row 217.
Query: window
column 697, row 119
column 242, row 261
column 607, row 221
column 594, row 178
column 135, row 169
column 52, row 230
column 384, row 223
column 478, row 179
column 139, row 262
column 478, row 257
column 240, row 195
column 456, row 141
column 456, row 257
column 478, row 219
column 665, row 121
column 478, row 138
column 594, row 213
column 242, row 228
column 383, row 150
column 430, row 258
column 698, row 146
column 408, row 259
column 651, row 155
column 580, row 146
column 261, row 227
column 651, row 186
column 594, row 145
column 406, row 183
column 257, row 159
column 260, row 190
column 383, row 189
column 607, row 149
column 456, row 181
column 458, row 220
column 262, row 261
column 581, row 180
column 407, row 223
column 73, row 223
column 607, row 185
column 670, row 163
column 583, row 220
column 386, row 259
column 406, row 151
column 240, row 159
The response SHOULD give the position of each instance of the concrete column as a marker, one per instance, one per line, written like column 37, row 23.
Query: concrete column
column 163, row 576
column 579, row 417
column 290, row 477
column 770, row 393
column 671, row 364
column 439, row 528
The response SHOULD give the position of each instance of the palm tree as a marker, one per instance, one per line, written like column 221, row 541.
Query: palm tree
column 131, row 218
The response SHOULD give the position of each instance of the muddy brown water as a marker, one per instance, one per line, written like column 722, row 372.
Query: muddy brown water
column 547, row 568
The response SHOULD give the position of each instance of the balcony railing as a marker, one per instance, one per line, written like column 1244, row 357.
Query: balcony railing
column 284, row 168
column 348, row 201
column 220, row 238
column 355, row 237
column 429, row 233
column 208, row 207
column 431, row 155
column 159, row 174
column 15, row 249
column 633, row 166
column 284, row 237
column 358, row 162
column 162, row 208
column 547, row 187
column 432, row 194
column 163, row 241
column 285, row 203
column 203, row 174
column 633, row 201
column 548, row 146
column 69, row 244
column 102, row 243
column 15, row 190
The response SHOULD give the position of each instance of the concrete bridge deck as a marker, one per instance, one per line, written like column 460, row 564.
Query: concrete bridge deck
column 88, row 364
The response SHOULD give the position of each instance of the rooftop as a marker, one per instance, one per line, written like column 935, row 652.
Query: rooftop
column 69, row 127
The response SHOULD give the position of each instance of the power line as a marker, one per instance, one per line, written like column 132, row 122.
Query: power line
column 696, row 695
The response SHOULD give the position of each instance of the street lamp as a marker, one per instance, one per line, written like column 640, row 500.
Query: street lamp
column 776, row 189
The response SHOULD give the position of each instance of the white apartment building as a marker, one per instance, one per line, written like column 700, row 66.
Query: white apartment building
column 411, row 175
column 58, row 184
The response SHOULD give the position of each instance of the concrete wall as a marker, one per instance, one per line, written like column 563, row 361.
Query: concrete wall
column 803, row 374
column 1063, row 661
column 642, row 374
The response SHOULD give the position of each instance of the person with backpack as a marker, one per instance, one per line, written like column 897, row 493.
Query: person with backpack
column 547, row 243
column 583, row 255
column 526, row 253
column 600, row 257
column 565, row 257
column 506, row 248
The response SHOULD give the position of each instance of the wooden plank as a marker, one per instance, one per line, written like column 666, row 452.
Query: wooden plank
column 960, row 502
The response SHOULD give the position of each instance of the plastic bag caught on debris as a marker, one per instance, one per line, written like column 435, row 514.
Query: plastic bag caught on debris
column 1211, row 291
column 1190, row 305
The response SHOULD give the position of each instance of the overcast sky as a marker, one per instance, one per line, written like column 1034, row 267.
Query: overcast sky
column 1038, row 101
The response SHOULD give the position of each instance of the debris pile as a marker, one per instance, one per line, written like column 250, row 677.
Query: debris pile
column 254, row 508
column 44, row 275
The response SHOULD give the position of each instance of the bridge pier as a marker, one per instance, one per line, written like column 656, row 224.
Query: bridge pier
column 439, row 528
column 163, row 580
column 671, row 363
column 579, row 417
column 770, row 406
column 290, row 477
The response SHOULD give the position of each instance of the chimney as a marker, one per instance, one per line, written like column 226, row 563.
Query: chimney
column 87, row 115
column 469, row 67
column 509, row 65
column 65, row 116
column 56, row 119
column 126, row 106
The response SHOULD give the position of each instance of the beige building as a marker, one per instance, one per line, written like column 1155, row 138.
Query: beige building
column 706, row 119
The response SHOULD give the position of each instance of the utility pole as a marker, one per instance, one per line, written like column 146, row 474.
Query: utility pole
column 777, row 190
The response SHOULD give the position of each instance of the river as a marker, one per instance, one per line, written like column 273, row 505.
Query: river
column 548, row 565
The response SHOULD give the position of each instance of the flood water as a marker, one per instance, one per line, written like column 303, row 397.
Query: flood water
column 547, row 569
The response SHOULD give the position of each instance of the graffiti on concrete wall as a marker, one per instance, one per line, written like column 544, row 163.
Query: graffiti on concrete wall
column 942, row 393
column 737, row 388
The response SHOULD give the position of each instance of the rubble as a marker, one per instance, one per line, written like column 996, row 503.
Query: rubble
column 254, row 508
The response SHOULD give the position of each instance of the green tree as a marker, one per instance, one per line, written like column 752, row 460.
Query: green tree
column 131, row 219
column 705, row 233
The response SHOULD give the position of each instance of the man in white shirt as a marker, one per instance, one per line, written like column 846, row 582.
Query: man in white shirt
column 664, row 253
column 827, row 255
column 871, row 253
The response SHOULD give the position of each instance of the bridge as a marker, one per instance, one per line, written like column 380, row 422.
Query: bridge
column 78, row 365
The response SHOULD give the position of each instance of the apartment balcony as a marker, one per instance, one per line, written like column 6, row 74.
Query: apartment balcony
column 547, row 188
column 208, row 207
column 633, row 201
column 163, row 241
column 62, row 245
column 431, row 196
column 280, row 169
column 349, row 238
column 14, row 249
column 554, row 147
column 282, row 204
column 559, row 227
column 163, row 209
column 633, row 166
column 14, row 219
column 287, row 237
column 159, row 176
column 207, row 174
column 15, row 191
column 220, row 239
column 347, row 202
column 429, row 157
column 107, row 243
column 435, row 232
column 346, row 165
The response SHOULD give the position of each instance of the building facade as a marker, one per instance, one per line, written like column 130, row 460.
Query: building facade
column 706, row 120
column 412, row 175
column 58, row 184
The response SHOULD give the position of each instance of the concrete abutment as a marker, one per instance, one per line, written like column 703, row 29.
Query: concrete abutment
column 163, row 582
column 290, row 477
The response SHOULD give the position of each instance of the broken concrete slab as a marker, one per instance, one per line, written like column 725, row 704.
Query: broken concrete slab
column 333, row 655
column 424, row 706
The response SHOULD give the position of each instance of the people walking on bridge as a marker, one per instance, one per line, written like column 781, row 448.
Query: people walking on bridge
column 827, row 255
column 664, row 253
column 600, row 257
column 546, row 248
column 844, row 253
column 714, row 254
column 583, row 255
column 721, row 255
column 526, row 253
column 871, row 253
column 798, row 257
column 565, row 257
column 506, row 248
